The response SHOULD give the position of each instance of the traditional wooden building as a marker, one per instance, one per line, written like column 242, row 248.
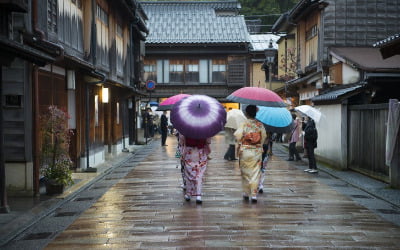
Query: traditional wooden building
column 17, row 62
column 339, row 72
column 259, row 68
column 93, row 71
column 196, row 47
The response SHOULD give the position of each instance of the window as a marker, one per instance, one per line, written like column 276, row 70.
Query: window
column 70, row 30
column 175, row 71
column 119, row 40
column 150, row 70
column 192, row 71
column 52, row 15
column 218, row 69
column 312, row 32
column 102, row 36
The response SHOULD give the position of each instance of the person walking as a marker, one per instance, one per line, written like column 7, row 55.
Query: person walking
column 230, row 140
column 164, row 128
column 264, row 161
column 311, row 136
column 250, row 136
column 294, row 138
column 195, row 159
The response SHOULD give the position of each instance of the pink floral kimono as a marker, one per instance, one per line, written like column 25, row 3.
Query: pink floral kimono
column 195, row 157
column 250, row 156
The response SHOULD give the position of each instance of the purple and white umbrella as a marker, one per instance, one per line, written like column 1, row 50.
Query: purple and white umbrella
column 198, row 116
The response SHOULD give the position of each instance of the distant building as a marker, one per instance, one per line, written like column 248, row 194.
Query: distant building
column 196, row 47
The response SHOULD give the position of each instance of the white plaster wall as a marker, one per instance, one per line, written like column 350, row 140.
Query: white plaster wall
column 330, row 134
column 19, row 179
column 350, row 75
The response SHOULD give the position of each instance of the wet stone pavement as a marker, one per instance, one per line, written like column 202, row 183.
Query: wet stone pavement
column 140, row 205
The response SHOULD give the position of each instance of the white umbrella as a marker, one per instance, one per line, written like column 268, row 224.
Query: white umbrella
column 234, row 118
column 309, row 111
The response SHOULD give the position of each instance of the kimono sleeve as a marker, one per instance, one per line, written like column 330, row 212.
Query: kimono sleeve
column 239, row 132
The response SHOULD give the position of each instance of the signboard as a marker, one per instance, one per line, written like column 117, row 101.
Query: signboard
column 150, row 85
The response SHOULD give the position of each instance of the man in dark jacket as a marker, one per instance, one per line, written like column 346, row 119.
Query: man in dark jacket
column 311, row 136
column 164, row 128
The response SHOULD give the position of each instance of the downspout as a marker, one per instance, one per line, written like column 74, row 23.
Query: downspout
column 4, row 208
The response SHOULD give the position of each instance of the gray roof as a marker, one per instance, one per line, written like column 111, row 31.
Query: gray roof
column 260, row 42
column 366, row 58
column 336, row 94
column 195, row 22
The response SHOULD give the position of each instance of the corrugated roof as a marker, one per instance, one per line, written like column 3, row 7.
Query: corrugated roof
column 260, row 42
column 194, row 22
column 335, row 94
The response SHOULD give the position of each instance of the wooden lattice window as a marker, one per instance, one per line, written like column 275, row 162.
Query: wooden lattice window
column 119, row 40
column 52, row 15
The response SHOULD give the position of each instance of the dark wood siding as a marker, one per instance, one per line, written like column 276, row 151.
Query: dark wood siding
column 17, row 120
column 367, row 138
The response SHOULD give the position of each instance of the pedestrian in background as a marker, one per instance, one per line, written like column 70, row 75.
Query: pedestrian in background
column 195, row 159
column 230, row 154
column 164, row 128
column 250, row 136
column 311, row 136
column 294, row 138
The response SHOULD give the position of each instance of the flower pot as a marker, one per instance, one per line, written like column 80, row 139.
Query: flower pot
column 52, row 188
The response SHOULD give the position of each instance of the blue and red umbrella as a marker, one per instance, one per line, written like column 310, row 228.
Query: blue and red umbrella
column 198, row 116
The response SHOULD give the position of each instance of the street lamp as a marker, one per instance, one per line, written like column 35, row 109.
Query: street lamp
column 269, row 60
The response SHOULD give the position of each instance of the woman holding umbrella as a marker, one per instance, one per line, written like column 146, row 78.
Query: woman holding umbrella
column 250, row 136
column 197, row 118
column 195, row 159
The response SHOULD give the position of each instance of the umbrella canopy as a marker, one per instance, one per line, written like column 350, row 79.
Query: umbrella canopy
column 152, row 104
column 198, row 116
column 168, row 103
column 256, row 96
column 309, row 111
column 234, row 118
column 275, row 120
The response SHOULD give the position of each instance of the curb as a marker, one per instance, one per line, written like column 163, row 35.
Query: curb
column 376, row 189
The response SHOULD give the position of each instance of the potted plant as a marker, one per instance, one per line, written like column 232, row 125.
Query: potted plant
column 55, row 160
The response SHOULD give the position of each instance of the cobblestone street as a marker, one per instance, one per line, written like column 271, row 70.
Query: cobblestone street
column 143, row 207
column 147, row 210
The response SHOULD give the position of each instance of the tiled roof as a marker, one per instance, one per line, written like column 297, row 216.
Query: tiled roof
column 387, row 41
column 195, row 22
column 260, row 42
column 336, row 94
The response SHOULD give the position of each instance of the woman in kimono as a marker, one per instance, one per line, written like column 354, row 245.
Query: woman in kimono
column 195, row 158
column 250, row 136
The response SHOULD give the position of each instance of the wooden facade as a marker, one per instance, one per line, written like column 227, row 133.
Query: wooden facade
column 335, row 83
column 82, row 47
